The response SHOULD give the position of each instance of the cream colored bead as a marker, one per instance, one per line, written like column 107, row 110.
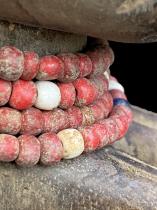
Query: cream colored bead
column 49, row 95
column 72, row 141
column 114, row 85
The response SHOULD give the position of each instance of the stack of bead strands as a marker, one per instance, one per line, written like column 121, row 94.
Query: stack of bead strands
column 58, row 106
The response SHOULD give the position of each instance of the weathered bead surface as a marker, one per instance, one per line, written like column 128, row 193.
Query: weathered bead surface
column 85, row 65
column 68, row 95
column 49, row 95
column 24, row 94
column 31, row 62
column 50, row 68
column 5, row 91
column 51, row 148
column 71, row 67
column 10, row 120
column 11, row 63
column 72, row 141
column 29, row 150
column 32, row 121
column 9, row 147
column 75, row 117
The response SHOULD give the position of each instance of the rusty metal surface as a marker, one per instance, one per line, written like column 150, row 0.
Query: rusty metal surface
column 105, row 179
column 120, row 20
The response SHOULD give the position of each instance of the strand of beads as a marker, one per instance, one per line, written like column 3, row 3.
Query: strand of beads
column 68, row 143
column 66, row 67
column 84, row 110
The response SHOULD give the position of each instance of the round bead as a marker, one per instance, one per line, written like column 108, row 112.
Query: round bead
column 23, row 95
column 29, row 150
column 49, row 95
column 11, row 63
column 31, row 63
column 86, row 92
column 55, row 120
column 75, row 117
column 5, row 91
column 85, row 65
column 88, row 116
column 97, row 109
column 10, row 121
column 50, row 68
column 9, row 147
column 114, row 85
column 73, row 143
column 68, row 95
column 51, row 148
column 71, row 67
column 32, row 121
column 91, row 140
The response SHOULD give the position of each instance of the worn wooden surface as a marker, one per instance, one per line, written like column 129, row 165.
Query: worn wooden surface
column 105, row 179
column 118, row 20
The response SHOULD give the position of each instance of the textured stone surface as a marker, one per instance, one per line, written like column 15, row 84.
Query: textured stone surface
column 120, row 20
column 41, row 41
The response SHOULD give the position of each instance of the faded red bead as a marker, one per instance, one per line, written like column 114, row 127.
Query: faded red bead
column 85, row 65
column 31, row 63
column 23, row 95
column 10, row 120
column 86, row 92
column 55, row 120
column 75, row 117
column 9, row 147
column 32, row 121
column 71, row 67
column 51, row 148
column 50, row 67
column 91, row 141
column 5, row 91
column 29, row 150
column 68, row 95
column 88, row 116
column 11, row 63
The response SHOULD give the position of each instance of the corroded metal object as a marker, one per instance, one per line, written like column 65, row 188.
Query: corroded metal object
column 120, row 20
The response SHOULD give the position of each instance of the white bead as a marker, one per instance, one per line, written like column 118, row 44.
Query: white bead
column 114, row 85
column 72, row 141
column 49, row 95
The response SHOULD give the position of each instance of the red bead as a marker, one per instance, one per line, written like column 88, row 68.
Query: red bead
column 101, row 84
column 9, row 147
column 23, row 95
column 71, row 67
column 31, row 63
column 75, row 117
column 91, row 140
column 11, row 63
column 50, row 67
column 55, row 120
column 51, row 148
column 10, row 120
column 118, row 94
column 5, row 91
column 98, row 110
column 112, row 130
column 32, row 121
column 85, row 65
column 68, row 95
column 86, row 92
column 101, row 60
column 29, row 150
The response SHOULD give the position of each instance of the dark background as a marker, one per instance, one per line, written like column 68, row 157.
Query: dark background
column 135, row 67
